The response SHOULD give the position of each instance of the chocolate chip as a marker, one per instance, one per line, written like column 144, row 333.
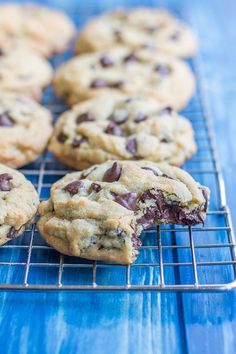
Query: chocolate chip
column 127, row 200
column 118, row 35
column 113, row 173
column 175, row 36
column 106, row 61
column 5, row 120
column 165, row 140
column 130, row 57
column 12, row 233
column 148, row 218
column 131, row 146
column 113, row 129
column 150, row 169
column 136, row 241
column 77, row 142
column 151, row 29
column 179, row 216
column 160, row 201
column 162, row 69
column 140, row 117
column 61, row 137
column 84, row 117
column 73, row 187
column 100, row 83
column 5, row 184
column 167, row 211
column 117, row 84
column 146, row 195
column 86, row 173
column 165, row 110
column 205, row 194
column 96, row 187
column 166, row 176
column 119, row 116
column 1, row 52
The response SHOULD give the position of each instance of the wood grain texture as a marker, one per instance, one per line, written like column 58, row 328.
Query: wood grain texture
column 137, row 322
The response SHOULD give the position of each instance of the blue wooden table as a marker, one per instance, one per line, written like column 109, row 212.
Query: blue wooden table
column 144, row 322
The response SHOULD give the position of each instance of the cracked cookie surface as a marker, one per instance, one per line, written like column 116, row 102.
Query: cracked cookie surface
column 25, row 127
column 121, row 127
column 42, row 29
column 119, row 70
column 100, row 212
column 138, row 27
column 24, row 71
column 18, row 204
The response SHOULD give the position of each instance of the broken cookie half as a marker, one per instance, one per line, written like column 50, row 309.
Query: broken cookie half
column 99, row 213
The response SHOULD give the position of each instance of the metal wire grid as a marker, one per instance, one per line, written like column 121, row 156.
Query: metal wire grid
column 172, row 257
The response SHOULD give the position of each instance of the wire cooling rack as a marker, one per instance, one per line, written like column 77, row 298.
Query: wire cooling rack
column 172, row 257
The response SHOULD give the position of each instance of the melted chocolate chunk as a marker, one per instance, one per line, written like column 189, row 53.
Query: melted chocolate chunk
column 12, row 233
column 5, row 184
column 96, row 187
column 150, row 169
column 113, row 173
column 140, row 117
column 119, row 116
column 73, row 187
column 113, row 129
column 62, row 137
column 165, row 110
column 77, row 142
column 131, row 57
column 136, row 241
column 131, row 146
column 148, row 218
column 146, row 195
column 106, row 61
column 5, row 120
column 162, row 69
column 84, row 117
column 127, row 200
column 168, row 212
column 1, row 52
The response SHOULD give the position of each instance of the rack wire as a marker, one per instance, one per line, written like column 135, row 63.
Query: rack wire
column 172, row 258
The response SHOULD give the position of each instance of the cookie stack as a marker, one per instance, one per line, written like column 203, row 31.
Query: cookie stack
column 122, row 129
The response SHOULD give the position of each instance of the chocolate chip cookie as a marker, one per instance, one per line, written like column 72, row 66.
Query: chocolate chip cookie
column 119, row 70
column 140, row 27
column 42, row 29
column 121, row 127
column 99, row 213
column 25, row 128
column 18, row 204
column 24, row 71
